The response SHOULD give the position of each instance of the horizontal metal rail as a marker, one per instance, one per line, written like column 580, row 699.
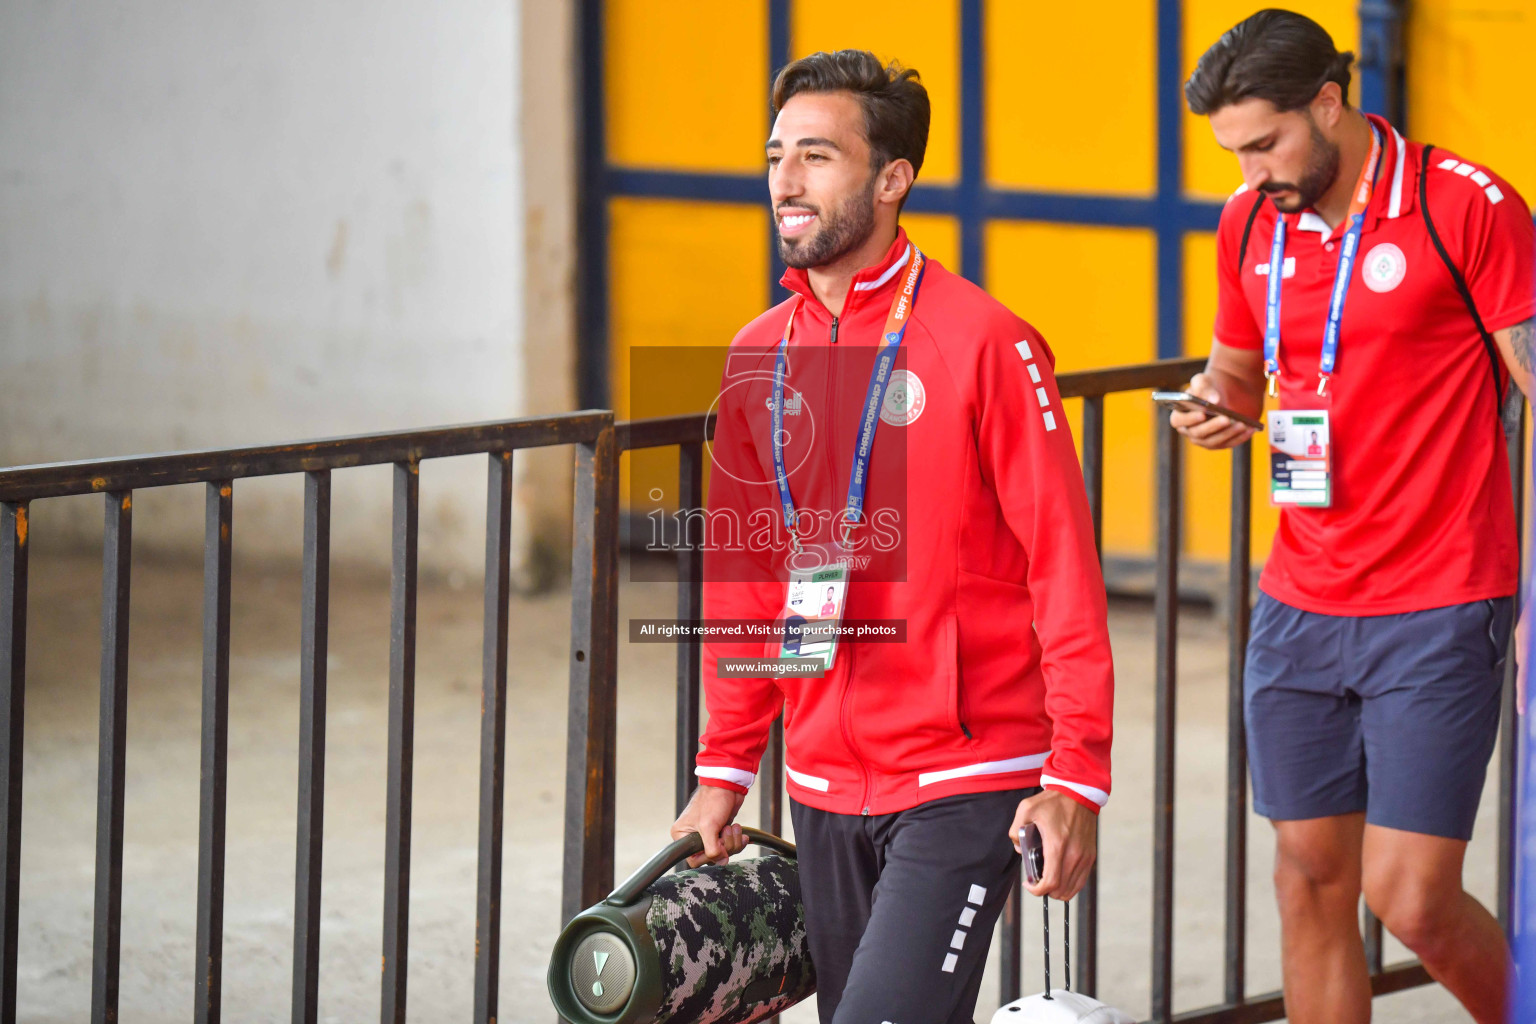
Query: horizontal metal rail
column 52, row 480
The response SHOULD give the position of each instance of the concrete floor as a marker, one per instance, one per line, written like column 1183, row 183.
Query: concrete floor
column 160, row 858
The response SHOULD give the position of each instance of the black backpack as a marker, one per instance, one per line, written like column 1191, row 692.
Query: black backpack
column 1461, row 282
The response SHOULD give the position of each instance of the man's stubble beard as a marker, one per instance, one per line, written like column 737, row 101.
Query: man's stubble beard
column 1321, row 171
column 842, row 231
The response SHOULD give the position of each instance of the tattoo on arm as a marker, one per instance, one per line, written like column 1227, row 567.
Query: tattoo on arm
column 1522, row 343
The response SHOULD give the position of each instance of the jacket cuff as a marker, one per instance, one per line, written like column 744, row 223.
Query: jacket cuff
column 733, row 779
column 1090, row 797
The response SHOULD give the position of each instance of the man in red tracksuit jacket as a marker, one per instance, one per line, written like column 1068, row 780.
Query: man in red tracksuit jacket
column 912, row 765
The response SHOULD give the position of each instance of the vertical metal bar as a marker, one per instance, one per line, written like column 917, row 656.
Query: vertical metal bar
column 1372, row 940
column 493, row 734
column 112, row 739
column 218, row 541
column 973, row 155
column 1238, row 583
column 1011, row 948
column 778, row 55
column 1382, row 71
column 589, row 783
column 313, row 646
column 1166, row 613
column 690, row 608
column 402, row 731
column 1509, row 724
column 1093, row 466
column 1168, row 208
column 593, row 384
column 13, row 702
column 1088, row 900
column 770, row 781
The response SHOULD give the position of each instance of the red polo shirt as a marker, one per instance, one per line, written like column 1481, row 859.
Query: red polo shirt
column 1422, row 513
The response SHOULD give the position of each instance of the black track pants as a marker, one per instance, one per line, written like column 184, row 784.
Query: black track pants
column 900, row 907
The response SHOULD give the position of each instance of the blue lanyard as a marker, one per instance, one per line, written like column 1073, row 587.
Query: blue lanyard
column 1342, row 275
column 879, row 380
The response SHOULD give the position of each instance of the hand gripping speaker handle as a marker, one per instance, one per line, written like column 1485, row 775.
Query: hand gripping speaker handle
column 679, row 851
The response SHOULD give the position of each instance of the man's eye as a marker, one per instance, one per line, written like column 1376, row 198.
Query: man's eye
column 773, row 161
column 815, row 156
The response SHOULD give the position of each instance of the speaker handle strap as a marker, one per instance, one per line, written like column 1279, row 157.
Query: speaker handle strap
column 677, row 852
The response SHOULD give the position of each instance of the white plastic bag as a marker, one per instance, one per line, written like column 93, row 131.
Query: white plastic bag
column 1062, row 1007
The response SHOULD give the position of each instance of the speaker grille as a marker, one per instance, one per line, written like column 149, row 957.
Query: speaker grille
column 602, row 972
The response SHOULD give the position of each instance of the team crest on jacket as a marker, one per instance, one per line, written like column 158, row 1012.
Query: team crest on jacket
column 904, row 399
column 1384, row 268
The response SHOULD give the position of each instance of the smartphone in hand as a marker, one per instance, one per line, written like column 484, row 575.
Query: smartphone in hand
column 1186, row 402
column 1034, row 853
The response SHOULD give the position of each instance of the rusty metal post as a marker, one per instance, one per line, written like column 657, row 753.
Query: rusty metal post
column 218, row 548
column 589, row 782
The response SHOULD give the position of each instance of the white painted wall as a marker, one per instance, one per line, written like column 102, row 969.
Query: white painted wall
column 238, row 223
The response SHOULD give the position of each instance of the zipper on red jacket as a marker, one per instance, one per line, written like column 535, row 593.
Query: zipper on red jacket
column 842, row 715
column 830, row 445
column 842, row 719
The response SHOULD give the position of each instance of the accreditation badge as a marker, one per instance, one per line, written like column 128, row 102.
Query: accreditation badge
column 813, row 612
column 1300, row 458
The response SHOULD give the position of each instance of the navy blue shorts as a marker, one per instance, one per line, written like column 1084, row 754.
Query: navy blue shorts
column 1393, row 715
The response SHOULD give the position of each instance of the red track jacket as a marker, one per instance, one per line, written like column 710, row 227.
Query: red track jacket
column 977, row 536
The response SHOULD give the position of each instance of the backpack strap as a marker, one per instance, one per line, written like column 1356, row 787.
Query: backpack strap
column 1253, row 215
column 1461, row 283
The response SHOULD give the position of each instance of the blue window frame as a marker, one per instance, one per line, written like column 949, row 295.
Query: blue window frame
column 1168, row 213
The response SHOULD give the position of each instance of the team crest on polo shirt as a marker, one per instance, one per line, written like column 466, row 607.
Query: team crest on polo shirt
column 905, row 398
column 1384, row 268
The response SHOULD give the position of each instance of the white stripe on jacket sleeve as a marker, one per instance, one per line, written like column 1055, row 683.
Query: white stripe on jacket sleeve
column 735, row 775
column 1098, row 796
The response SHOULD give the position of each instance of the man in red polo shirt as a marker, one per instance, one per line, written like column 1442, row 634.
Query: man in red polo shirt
column 1375, row 663
column 892, row 437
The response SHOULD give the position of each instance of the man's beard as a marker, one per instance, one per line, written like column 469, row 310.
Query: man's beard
column 840, row 231
column 1322, row 169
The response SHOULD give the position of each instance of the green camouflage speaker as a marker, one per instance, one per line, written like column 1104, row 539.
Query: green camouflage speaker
column 720, row 944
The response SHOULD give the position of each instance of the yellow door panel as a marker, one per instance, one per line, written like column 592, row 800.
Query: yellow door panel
column 656, row 58
column 938, row 235
column 1090, row 291
column 1469, row 82
column 654, row 305
column 922, row 35
column 1058, row 122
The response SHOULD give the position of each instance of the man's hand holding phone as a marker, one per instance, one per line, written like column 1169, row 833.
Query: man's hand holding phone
column 1204, row 429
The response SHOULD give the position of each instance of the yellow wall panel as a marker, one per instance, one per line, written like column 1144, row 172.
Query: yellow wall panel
column 1208, row 475
column 652, row 304
column 1469, row 82
column 1209, row 170
column 1056, row 121
column 938, row 235
column 1090, row 291
column 686, row 84
column 922, row 35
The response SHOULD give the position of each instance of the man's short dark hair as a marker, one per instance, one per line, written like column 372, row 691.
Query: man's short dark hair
column 893, row 99
column 1275, row 55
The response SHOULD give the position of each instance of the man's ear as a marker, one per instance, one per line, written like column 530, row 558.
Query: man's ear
column 895, row 181
column 1328, row 105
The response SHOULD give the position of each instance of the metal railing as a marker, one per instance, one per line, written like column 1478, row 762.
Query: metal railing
column 589, row 812
column 688, row 433
column 588, row 865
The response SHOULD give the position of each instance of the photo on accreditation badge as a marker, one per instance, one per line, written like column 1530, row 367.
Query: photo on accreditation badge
column 1299, row 458
column 816, row 601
